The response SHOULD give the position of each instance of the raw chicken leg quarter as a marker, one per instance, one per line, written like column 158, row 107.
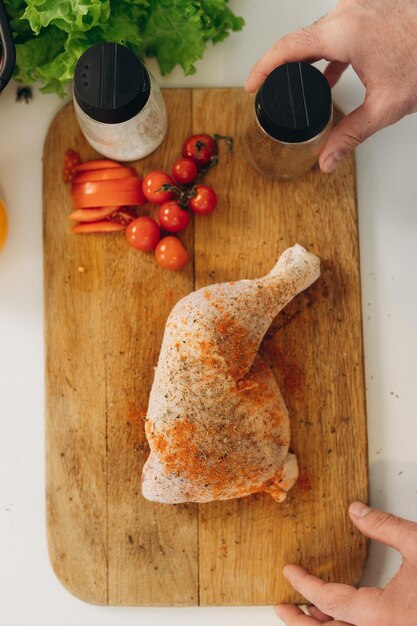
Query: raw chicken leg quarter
column 217, row 425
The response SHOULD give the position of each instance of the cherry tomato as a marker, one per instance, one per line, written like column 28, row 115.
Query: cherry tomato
column 171, row 254
column 98, row 227
column 104, row 174
column 71, row 161
column 109, row 198
column 184, row 171
column 172, row 217
column 143, row 233
column 152, row 184
column 200, row 148
column 205, row 200
column 97, row 164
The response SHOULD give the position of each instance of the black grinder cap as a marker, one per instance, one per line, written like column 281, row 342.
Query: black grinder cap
column 294, row 104
column 111, row 85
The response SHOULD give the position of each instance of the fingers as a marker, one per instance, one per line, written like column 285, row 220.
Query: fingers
column 341, row 602
column 330, row 598
column 293, row 616
column 318, row 615
column 363, row 122
column 394, row 531
column 302, row 45
column 334, row 70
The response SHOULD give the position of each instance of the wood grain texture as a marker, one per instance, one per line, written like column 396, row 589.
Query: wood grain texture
column 104, row 326
column 106, row 307
column 315, row 347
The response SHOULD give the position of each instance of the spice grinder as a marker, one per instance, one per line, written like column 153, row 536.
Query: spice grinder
column 7, row 49
column 290, row 122
column 117, row 102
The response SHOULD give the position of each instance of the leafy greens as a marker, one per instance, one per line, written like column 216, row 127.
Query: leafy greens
column 50, row 35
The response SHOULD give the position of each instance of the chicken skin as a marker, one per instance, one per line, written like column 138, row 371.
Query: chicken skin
column 217, row 425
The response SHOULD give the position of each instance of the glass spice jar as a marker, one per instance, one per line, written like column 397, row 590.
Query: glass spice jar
column 291, row 122
column 118, row 104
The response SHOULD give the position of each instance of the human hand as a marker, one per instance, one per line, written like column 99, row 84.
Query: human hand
column 366, row 606
column 377, row 37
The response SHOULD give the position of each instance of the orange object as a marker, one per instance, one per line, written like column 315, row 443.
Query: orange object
column 4, row 225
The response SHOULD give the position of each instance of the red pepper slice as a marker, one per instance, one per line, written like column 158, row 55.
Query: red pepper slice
column 93, row 214
column 114, row 198
column 98, row 227
column 132, row 183
column 104, row 174
column 97, row 164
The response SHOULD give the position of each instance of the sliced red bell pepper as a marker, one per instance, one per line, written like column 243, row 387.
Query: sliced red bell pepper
column 93, row 214
column 98, row 227
column 104, row 174
column 97, row 164
column 115, row 198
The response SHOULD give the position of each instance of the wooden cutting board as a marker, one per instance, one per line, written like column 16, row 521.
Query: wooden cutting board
column 106, row 306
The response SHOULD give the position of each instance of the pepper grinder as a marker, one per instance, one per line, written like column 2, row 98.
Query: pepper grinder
column 289, row 123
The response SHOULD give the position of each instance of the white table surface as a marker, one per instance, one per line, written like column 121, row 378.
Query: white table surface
column 387, row 193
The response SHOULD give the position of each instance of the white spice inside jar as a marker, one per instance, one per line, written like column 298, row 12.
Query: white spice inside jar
column 118, row 104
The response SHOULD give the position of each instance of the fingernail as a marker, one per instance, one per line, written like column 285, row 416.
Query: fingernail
column 359, row 509
column 332, row 161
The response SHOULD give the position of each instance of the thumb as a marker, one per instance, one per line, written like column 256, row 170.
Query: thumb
column 352, row 130
column 394, row 531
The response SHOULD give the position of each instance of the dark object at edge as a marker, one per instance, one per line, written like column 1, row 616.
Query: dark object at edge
column 7, row 49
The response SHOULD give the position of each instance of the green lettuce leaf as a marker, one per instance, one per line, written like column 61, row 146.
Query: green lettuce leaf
column 59, row 69
column 174, row 34
column 177, row 30
column 37, row 52
column 66, row 15
column 50, row 35
column 222, row 20
column 126, row 24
